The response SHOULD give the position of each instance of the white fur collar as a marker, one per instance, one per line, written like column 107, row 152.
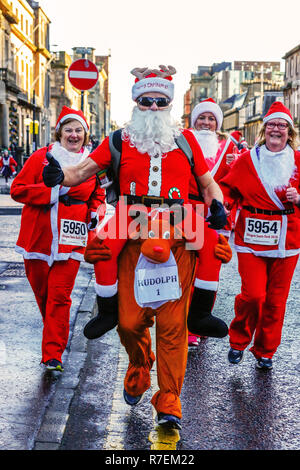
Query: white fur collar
column 66, row 158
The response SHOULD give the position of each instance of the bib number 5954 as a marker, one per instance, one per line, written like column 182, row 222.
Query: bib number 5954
column 262, row 232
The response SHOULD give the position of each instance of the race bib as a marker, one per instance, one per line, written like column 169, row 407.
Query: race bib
column 262, row 232
column 156, row 284
column 73, row 232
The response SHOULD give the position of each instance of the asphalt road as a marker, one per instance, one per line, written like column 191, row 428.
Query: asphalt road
column 225, row 407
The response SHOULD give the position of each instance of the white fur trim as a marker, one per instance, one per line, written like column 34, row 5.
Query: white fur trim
column 73, row 116
column 106, row 291
column 150, row 84
column 279, row 116
column 207, row 107
column 154, row 177
column 207, row 285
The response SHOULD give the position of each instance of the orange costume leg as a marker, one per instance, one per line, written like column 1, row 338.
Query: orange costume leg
column 171, row 334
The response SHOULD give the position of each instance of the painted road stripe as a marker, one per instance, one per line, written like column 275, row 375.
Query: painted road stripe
column 117, row 425
column 160, row 438
column 82, row 74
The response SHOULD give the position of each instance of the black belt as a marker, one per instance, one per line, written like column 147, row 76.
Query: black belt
column 254, row 210
column 148, row 201
column 70, row 201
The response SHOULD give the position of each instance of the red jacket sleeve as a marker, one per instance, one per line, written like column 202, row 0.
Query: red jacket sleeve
column 97, row 204
column 28, row 186
column 101, row 155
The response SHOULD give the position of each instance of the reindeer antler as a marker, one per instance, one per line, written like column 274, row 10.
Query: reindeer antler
column 167, row 70
column 140, row 73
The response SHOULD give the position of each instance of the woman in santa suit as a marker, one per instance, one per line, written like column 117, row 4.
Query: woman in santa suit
column 54, row 230
column 265, row 181
column 220, row 152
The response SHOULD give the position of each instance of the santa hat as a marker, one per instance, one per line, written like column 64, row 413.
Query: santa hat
column 149, row 80
column 207, row 106
column 236, row 135
column 278, row 110
column 69, row 113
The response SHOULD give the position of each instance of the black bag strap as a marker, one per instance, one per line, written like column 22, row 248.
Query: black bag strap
column 183, row 144
column 115, row 147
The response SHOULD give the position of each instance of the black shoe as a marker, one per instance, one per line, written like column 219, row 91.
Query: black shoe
column 264, row 363
column 235, row 356
column 200, row 320
column 169, row 421
column 130, row 400
column 106, row 319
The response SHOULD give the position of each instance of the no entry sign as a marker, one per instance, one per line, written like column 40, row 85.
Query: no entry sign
column 83, row 74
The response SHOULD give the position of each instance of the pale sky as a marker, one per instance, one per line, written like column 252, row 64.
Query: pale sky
column 182, row 33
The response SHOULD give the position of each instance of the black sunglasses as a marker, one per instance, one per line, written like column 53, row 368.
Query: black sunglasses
column 148, row 101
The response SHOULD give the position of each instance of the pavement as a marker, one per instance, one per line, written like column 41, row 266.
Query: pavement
column 34, row 404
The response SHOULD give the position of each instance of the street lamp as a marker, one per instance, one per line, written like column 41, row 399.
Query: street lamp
column 27, row 122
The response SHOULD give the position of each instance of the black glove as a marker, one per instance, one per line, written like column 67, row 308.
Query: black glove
column 52, row 173
column 218, row 217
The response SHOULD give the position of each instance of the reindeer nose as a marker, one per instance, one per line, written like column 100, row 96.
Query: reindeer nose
column 158, row 249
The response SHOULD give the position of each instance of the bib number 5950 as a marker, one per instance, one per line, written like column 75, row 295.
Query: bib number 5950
column 73, row 232
column 72, row 227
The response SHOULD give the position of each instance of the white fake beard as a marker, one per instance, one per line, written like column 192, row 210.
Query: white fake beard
column 277, row 168
column 151, row 132
column 66, row 158
column 208, row 142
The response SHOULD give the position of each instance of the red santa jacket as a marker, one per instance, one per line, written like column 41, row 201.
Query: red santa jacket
column 218, row 168
column 167, row 175
column 43, row 215
column 255, row 232
column 10, row 161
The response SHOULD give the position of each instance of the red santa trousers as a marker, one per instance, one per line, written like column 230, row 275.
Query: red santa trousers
column 171, row 333
column 260, row 307
column 115, row 236
column 52, row 287
column 209, row 266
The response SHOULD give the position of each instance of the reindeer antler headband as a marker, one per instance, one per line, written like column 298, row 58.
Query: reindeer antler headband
column 149, row 80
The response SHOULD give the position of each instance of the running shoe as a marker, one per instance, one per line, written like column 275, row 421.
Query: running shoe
column 54, row 364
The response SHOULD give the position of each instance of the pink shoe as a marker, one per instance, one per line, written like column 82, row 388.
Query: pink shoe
column 193, row 342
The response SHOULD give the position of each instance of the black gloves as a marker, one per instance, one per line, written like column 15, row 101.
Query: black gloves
column 52, row 173
column 218, row 216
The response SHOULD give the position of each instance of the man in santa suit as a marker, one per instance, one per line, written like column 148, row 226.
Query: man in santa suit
column 153, row 170
column 219, row 153
column 267, row 235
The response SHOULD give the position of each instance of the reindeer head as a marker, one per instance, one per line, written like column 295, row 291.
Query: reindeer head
column 158, row 234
